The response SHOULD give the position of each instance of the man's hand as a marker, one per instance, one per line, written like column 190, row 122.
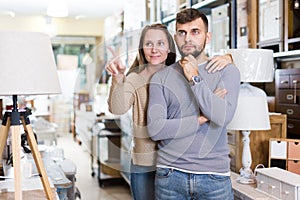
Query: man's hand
column 189, row 65
column 115, row 65
column 220, row 92
column 218, row 63
column 202, row 120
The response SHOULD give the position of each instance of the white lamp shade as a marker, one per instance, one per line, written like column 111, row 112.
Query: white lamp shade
column 252, row 110
column 255, row 65
column 27, row 64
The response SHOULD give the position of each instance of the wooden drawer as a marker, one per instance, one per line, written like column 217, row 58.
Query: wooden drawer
column 262, row 183
column 292, row 111
column 284, row 81
column 294, row 150
column 293, row 166
column 268, row 185
column 288, row 192
column 295, row 81
column 293, row 126
column 288, row 96
column 289, row 81
column 273, row 187
column 278, row 149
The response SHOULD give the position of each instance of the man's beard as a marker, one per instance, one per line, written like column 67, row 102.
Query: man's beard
column 195, row 53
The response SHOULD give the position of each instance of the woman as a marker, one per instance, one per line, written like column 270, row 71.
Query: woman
column 156, row 51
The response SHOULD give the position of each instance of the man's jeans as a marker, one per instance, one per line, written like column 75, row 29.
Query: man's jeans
column 174, row 185
column 142, row 182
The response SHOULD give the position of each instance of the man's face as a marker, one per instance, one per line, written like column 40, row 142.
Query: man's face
column 191, row 38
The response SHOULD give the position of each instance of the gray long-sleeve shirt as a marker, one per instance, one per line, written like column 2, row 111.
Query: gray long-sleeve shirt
column 173, row 110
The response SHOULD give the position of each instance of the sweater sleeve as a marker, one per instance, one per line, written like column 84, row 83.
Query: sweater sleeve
column 160, row 126
column 121, row 97
column 218, row 110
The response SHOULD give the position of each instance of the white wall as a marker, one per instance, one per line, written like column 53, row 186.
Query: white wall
column 63, row 26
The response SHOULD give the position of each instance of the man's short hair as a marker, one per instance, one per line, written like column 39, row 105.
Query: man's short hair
column 189, row 15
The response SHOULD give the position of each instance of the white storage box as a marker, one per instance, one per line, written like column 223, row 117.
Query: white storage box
column 279, row 183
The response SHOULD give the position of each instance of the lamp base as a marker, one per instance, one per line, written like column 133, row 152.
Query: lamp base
column 246, row 176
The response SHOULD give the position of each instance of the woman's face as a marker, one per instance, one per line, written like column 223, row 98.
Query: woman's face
column 156, row 47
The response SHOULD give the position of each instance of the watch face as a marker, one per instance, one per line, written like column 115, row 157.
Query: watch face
column 196, row 79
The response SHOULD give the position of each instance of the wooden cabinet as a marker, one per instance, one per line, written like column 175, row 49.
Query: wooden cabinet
column 259, row 143
column 292, row 29
column 285, row 154
column 271, row 24
column 287, row 101
column 279, row 25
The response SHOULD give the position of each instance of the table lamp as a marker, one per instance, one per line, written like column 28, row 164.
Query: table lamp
column 27, row 68
column 255, row 65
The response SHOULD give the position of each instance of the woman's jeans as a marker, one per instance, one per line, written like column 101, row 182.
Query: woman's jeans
column 174, row 185
column 142, row 182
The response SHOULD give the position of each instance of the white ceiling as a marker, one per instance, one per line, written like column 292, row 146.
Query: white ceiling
column 87, row 8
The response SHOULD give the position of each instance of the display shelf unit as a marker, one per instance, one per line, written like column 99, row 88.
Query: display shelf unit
column 279, row 25
column 204, row 6
column 108, row 151
column 270, row 29
column 285, row 154
column 222, row 17
column 291, row 30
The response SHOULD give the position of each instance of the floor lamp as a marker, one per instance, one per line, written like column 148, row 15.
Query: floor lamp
column 255, row 65
column 27, row 68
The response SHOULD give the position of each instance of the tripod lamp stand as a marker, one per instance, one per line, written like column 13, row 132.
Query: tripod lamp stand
column 255, row 65
column 27, row 68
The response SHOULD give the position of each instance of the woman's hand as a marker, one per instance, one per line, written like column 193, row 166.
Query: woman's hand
column 115, row 65
column 218, row 63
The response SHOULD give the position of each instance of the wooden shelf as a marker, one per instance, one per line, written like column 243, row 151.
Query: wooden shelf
column 204, row 6
column 287, row 55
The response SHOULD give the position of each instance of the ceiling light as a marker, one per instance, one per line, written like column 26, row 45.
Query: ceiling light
column 296, row 4
column 80, row 17
column 10, row 13
column 57, row 8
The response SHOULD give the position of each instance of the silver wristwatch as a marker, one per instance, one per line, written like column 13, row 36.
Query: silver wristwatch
column 195, row 80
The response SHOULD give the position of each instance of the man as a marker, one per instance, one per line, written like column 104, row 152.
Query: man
column 189, row 109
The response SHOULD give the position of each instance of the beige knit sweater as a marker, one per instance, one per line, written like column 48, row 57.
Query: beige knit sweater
column 133, row 91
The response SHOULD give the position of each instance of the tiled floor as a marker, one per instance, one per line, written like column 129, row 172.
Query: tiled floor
column 88, row 185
